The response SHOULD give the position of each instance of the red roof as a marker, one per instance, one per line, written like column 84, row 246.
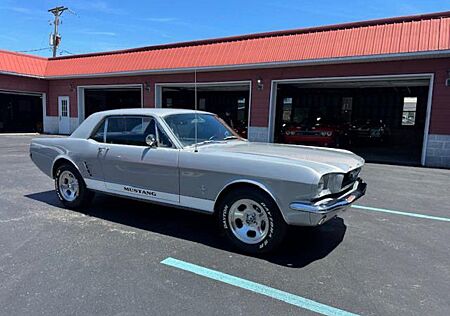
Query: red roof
column 403, row 35
column 22, row 64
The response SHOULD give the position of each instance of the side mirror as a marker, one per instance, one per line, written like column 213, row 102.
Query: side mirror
column 150, row 140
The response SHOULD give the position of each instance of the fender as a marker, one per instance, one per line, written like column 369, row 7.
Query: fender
column 252, row 182
column 65, row 157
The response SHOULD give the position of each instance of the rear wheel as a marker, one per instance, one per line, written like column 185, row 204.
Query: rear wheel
column 251, row 220
column 70, row 187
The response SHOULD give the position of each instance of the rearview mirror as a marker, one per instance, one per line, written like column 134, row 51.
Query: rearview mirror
column 150, row 140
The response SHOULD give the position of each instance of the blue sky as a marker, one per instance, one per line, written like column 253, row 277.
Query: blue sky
column 98, row 25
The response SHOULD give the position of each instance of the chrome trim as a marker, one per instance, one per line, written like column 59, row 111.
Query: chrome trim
column 326, row 206
column 312, row 208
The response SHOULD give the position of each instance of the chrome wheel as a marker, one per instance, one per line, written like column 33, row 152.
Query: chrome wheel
column 68, row 186
column 248, row 221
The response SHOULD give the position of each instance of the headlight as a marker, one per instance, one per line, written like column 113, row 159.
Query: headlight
column 326, row 133
column 329, row 184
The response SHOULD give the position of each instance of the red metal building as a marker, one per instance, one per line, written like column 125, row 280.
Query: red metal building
column 395, row 71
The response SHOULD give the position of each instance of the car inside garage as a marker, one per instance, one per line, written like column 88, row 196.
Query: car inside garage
column 102, row 99
column 383, row 121
column 230, row 102
column 20, row 113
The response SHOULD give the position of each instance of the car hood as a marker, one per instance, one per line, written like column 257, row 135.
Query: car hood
column 317, row 158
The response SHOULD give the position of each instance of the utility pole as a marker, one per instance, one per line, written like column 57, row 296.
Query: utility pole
column 55, row 39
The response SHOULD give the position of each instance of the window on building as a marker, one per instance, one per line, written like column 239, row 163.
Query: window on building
column 241, row 109
column 64, row 107
column 202, row 104
column 347, row 106
column 409, row 111
column 287, row 109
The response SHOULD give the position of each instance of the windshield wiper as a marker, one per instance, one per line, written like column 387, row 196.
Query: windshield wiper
column 211, row 141
column 208, row 141
column 231, row 137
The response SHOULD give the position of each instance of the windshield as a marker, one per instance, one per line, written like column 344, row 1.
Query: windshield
column 209, row 128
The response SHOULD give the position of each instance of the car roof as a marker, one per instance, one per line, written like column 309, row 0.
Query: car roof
column 86, row 127
column 148, row 111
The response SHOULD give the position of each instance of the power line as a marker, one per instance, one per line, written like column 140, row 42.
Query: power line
column 66, row 51
column 33, row 50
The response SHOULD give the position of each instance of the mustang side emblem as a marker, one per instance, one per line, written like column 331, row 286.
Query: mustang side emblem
column 139, row 191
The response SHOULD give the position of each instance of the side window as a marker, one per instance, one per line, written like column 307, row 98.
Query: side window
column 99, row 133
column 130, row 130
column 133, row 130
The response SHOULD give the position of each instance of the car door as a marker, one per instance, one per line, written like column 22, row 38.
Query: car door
column 90, row 158
column 133, row 168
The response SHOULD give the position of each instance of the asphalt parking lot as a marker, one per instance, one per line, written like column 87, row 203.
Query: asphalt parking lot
column 107, row 259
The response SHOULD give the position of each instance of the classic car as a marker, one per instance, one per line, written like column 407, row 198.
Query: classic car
column 193, row 160
column 368, row 130
column 318, row 132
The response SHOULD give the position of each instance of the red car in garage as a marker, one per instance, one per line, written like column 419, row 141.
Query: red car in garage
column 317, row 132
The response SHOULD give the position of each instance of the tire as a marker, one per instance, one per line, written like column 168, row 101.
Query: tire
column 251, row 221
column 70, row 187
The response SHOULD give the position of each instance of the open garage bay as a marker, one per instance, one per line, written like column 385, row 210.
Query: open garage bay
column 20, row 112
column 110, row 98
column 383, row 120
column 229, row 101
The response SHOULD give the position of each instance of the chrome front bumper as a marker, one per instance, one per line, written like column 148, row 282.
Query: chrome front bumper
column 326, row 209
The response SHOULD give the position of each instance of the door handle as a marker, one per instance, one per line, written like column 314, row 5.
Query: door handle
column 102, row 149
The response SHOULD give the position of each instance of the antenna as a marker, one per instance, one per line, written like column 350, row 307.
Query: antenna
column 195, row 109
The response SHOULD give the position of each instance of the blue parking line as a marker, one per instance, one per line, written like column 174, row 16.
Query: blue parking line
column 375, row 209
column 257, row 288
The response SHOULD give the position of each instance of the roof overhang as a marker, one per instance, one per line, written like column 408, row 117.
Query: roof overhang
column 291, row 63
column 9, row 73
column 279, row 64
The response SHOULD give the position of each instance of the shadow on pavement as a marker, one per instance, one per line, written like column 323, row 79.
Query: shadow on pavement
column 301, row 247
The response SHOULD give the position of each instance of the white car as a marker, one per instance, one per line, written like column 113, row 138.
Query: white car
column 193, row 160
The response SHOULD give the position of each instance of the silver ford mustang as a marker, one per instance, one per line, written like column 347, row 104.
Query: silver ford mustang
column 193, row 160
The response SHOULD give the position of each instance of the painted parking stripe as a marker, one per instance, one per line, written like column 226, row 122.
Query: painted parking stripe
column 256, row 287
column 375, row 209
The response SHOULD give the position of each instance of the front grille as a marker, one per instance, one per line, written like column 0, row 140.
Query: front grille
column 307, row 133
column 350, row 177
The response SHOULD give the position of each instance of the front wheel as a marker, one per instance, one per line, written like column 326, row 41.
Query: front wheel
column 251, row 221
column 70, row 187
